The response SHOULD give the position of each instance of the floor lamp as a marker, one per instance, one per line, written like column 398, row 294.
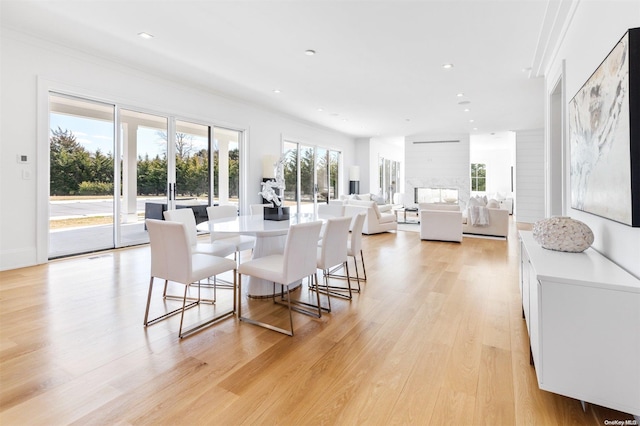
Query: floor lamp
column 354, row 180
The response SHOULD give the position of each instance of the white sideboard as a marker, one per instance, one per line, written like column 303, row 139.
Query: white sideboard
column 583, row 316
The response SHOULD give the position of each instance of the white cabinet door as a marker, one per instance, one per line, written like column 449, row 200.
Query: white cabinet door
column 526, row 283
column 591, row 344
column 534, row 324
column 583, row 319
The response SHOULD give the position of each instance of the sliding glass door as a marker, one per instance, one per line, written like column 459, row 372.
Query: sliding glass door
column 144, row 173
column 97, row 203
column 389, row 173
column 81, row 175
column 193, row 177
column 311, row 176
column 226, row 165
column 308, row 187
column 291, row 178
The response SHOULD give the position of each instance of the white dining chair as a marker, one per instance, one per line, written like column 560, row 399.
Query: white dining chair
column 354, row 248
column 186, row 217
column 172, row 259
column 332, row 252
column 297, row 262
column 241, row 242
column 355, row 245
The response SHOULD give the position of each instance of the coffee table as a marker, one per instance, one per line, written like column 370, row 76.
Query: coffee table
column 404, row 210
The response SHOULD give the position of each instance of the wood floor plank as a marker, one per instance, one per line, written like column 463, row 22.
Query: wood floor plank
column 495, row 395
column 379, row 393
column 453, row 408
column 436, row 336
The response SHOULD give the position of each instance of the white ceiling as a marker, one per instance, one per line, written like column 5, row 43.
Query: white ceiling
column 378, row 68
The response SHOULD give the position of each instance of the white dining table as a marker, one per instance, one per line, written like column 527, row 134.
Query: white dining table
column 271, row 236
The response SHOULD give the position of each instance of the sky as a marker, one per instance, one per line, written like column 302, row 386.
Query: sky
column 97, row 134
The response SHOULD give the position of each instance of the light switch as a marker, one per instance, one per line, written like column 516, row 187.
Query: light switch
column 26, row 174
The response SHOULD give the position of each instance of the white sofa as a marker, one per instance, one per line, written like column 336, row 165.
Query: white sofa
column 441, row 225
column 379, row 218
column 498, row 220
column 498, row 224
column 328, row 211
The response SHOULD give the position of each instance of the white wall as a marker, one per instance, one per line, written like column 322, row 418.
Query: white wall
column 529, row 179
column 30, row 67
column 595, row 28
column 368, row 152
column 389, row 148
column 437, row 165
column 499, row 160
column 363, row 159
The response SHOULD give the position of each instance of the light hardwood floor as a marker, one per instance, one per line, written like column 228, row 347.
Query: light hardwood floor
column 435, row 337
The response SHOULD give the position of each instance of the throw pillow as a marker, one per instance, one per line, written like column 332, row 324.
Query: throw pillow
column 475, row 201
column 378, row 199
column 493, row 204
column 376, row 210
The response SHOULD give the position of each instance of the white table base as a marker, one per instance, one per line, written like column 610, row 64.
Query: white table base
column 266, row 244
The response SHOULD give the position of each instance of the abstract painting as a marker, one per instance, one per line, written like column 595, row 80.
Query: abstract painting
column 604, row 137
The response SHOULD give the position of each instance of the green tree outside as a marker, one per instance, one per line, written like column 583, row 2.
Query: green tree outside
column 76, row 171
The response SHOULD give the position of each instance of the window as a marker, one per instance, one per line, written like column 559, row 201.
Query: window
column 226, row 164
column 111, row 168
column 478, row 177
column 311, row 176
column 389, row 174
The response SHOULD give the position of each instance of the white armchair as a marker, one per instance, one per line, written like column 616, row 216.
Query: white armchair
column 441, row 225
column 378, row 218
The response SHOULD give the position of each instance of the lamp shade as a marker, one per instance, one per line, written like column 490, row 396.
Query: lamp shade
column 354, row 173
column 269, row 166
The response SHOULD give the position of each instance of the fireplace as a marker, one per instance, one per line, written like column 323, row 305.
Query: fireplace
column 436, row 195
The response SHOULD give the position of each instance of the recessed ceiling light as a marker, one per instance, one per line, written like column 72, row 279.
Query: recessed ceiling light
column 407, row 119
column 464, row 102
column 460, row 95
column 145, row 35
column 447, row 66
column 320, row 110
column 276, row 90
column 467, row 110
column 475, row 128
column 471, row 121
column 309, row 52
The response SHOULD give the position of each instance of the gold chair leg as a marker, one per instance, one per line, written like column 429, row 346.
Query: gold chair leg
column 197, row 327
column 148, row 322
column 363, row 268
column 289, row 306
column 146, row 312
column 317, row 309
column 346, row 267
column 338, row 290
column 260, row 323
column 184, row 303
column 235, row 291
